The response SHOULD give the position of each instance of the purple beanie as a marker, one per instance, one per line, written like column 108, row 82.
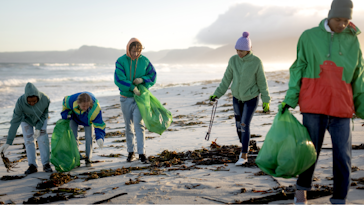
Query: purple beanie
column 244, row 43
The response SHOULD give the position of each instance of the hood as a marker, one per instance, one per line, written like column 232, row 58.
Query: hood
column 351, row 28
column 31, row 90
column 127, row 47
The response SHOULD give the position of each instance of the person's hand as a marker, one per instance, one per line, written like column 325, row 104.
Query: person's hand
column 265, row 107
column 213, row 98
column 100, row 142
column 36, row 134
column 285, row 107
column 136, row 91
column 138, row 81
column 4, row 147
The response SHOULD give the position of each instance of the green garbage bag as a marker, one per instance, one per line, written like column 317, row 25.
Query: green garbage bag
column 287, row 150
column 64, row 155
column 156, row 118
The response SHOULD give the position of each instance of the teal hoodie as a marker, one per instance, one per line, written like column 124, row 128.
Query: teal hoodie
column 248, row 78
column 23, row 112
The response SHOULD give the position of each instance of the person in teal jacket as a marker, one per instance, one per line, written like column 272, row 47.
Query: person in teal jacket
column 84, row 109
column 327, row 82
column 31, row 110
column 246, row 72
column 133, row 69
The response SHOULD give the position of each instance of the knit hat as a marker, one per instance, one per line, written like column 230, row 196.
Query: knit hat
column 341, row 9
column 244, row 43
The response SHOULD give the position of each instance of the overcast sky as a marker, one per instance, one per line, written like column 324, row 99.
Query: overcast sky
column 43, row 25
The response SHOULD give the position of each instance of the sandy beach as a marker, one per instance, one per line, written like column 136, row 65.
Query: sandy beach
column 187, row 182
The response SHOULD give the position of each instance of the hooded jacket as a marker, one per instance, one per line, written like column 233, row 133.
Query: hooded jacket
column 328, row 74
column 92, row 116
column 33, row 115
column 248, row 78
column 127, row 69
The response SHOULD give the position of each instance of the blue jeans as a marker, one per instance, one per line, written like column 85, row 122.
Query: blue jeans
column 88, row 138
column 244, row 112
column 133, row 121
column 339, row 129
column 43, row 143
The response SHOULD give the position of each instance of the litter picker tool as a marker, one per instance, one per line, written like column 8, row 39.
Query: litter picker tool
column 213, row 112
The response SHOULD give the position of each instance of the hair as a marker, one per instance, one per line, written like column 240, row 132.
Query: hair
column 85, row 98
column 137, row 45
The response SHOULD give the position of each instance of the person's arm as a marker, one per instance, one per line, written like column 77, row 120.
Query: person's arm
column 120, row 79
column 44, row 116
column 225, row 82
column 98, row 123
column 357, row 84
column 66, row 110
column 262, row 84
column 14, row 123
column 296, row 73
column 150, row 77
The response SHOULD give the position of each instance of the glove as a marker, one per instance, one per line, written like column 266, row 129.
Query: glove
column 265, row 107
column 285, row 107
column 136, row 91
column 100, row 142
column 137, row 81
column 4, row 147
column 36, row 134
column 213, row 98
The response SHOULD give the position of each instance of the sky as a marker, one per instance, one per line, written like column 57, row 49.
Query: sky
column 43, row 25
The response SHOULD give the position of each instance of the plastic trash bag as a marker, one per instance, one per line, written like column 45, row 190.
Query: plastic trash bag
column 287, row 150
column 156, row 118
column 64, row 155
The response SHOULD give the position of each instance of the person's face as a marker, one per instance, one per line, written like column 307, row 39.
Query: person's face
column 134, row 52
column 242, row 53
column 337, row 25
column 84, row 106
column 32, row 100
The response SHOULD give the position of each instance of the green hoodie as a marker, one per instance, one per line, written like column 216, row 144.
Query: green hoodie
column 23, row 112
column 248, row 78
column 328, row 74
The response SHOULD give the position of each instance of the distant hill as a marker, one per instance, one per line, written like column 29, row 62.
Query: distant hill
column 279, row 50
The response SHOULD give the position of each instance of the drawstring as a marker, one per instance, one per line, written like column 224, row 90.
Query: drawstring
column 340, row 53
column 136, row 63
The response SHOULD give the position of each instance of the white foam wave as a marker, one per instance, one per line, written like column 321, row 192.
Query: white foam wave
column 17, row 82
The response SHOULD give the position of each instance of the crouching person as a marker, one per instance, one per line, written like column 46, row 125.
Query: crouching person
column 84, row 109
column 31, row 111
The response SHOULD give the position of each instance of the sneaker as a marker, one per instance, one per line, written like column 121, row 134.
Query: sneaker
column 300, row 197
column 241, row 161
column 88, row 163
column 32, row 169
column 131, row 157
column 47, row 168
column 143, row 158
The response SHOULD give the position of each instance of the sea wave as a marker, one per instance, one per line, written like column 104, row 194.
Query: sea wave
column 17, row 82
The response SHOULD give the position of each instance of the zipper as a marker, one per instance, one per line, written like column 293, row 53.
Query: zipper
column 332, row 37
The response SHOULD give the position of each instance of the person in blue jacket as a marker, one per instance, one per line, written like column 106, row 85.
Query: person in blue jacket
column 84, row 109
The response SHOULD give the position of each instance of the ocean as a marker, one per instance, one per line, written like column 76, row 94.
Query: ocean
column 58, row 80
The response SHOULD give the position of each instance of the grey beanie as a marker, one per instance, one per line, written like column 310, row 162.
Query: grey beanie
column 341, row 9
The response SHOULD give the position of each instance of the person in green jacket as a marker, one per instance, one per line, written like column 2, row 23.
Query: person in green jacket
column 133, row 69
column 246, row 72
column 327, row 82
column 31, row 110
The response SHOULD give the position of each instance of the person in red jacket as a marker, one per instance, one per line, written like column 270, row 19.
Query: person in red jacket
column 327, row 81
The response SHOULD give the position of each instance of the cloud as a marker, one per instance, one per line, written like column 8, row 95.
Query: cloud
column 263, row 23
